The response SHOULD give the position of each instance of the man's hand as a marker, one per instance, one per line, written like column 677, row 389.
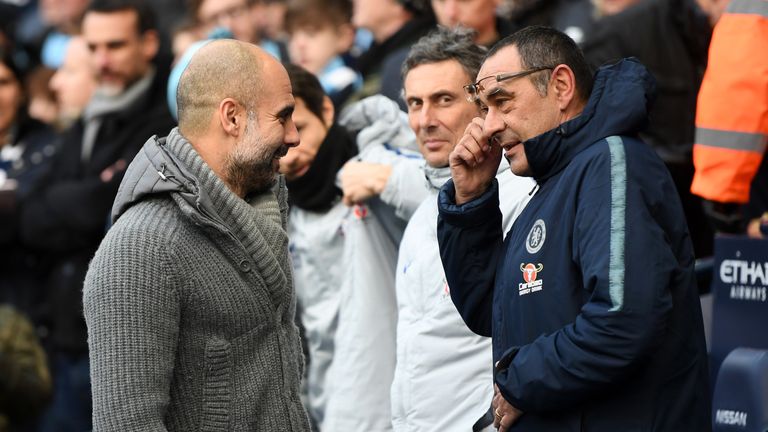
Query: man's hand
column 362, row 180
column 504, row 414
column 473, row 162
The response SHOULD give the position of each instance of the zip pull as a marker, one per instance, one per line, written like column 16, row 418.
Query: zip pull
column 536, row 186
column 162, row 175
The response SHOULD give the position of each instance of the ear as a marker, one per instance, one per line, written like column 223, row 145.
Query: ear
column 150, row 44
column 563, row 85
column 229, row 117
column 345, row 37
column 328, row 111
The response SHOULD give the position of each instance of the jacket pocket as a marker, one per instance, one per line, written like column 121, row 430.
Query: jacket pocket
column 216, row 388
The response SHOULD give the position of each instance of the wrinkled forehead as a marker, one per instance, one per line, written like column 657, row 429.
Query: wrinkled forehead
column 505, row 60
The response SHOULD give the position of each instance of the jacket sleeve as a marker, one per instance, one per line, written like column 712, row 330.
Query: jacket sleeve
column 627, row 268
column 133, row 316
column 470, row 239
column 731, row 119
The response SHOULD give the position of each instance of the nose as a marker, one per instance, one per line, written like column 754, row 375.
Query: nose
column 101, row 57
column 494, row 122
column 452, row 12
column 427, row 116
column 292, row 138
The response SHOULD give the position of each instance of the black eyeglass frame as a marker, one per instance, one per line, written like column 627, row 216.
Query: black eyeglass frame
column 473, row 90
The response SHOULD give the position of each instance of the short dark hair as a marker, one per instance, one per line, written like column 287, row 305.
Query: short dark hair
column 144, row 11
column 446, row 44
column 541, row 46
column 307, row 87
column 317, row 14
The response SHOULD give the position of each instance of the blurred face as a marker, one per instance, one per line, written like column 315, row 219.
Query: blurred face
column 119, row 53
column 475, row 14
column 612, row 7
column 11, row 98
column 235, row 15
column 252, row 164
column 376, row 16
column 60, row 13
column 313, row 48
column 514, row 109
column 438, row 111
column 74, row 82
column 312, row 131
column 272, row 19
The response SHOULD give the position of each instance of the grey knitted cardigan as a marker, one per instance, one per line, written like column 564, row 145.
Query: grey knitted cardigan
column 190, row 304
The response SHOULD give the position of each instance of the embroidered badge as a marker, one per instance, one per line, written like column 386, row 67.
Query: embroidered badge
column 536, row 237
column 530, row 275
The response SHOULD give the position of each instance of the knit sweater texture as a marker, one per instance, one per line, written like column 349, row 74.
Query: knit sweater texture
column 189, row 303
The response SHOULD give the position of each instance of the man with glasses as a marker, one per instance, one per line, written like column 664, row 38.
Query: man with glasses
column 591, row 298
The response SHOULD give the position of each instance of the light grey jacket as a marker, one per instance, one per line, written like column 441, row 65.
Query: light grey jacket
column 443, row 380
column 190, row 305
column 360, row 374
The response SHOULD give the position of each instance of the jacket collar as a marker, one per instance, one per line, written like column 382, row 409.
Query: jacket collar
column 619, row 105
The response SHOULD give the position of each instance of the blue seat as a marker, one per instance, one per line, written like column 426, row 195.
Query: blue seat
column 740, row 401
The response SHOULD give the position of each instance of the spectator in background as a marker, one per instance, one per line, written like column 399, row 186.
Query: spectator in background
column 189, row 299
column 395, row 25
column 605, row 8
column 26, row 149
column 731, row 121
column 315, row 226
column 601, row 327
column 183, row 36
column 240, row 17
column 66, row 215
column 73, row 83
column 320, row 32
column 42, row 101
column 443, row 379
column 479, row 15
column 59, row 20
column 572, row 17
column 272, row 19
column 25, row 381
column 670, row 37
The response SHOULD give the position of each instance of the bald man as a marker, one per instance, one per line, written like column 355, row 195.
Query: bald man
column 189, row 300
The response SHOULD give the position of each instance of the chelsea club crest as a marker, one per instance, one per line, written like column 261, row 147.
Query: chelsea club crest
column 536, row 237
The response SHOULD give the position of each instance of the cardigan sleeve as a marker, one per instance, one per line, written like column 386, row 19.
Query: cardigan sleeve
column 132, row 310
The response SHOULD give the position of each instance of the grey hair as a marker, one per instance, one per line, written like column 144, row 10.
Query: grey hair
column 446, row 44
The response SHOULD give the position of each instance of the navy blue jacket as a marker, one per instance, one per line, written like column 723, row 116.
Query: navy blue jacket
column 591, row 298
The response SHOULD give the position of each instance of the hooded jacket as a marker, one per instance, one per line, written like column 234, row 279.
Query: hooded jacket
column 591, row 297
column 443, row 376
column 190, row 305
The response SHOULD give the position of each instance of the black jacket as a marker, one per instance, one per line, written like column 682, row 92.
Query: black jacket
column 67, row 216
column 671, row 38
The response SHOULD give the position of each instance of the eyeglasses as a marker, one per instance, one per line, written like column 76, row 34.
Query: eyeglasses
column 473, row 90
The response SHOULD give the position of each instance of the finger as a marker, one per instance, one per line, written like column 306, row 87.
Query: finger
column 475, row 130
column 461, row 155
column 504, row 424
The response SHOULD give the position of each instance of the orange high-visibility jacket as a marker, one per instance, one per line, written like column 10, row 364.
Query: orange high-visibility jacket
column 732, row 110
